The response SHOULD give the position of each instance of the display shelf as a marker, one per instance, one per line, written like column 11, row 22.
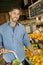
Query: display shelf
column 29, row 63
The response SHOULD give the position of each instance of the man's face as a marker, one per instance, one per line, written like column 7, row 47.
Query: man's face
column 14, row 15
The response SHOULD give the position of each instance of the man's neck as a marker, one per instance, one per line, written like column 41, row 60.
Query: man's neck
column 12, row 24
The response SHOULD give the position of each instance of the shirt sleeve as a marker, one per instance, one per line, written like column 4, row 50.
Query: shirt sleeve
column 26, row 39
column 1, row 41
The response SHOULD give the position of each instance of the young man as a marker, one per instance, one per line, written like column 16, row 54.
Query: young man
column 13, row 36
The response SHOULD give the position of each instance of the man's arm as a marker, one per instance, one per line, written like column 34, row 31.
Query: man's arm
column 32, row 50
column 2, row 50
column 28, row 44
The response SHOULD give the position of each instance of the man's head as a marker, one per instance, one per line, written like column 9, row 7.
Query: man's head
column 14, row 9
column 14, row 14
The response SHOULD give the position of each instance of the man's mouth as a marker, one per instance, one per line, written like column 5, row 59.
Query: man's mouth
column 15, row 17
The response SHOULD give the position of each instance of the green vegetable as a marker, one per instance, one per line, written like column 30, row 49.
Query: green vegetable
column 15, row 62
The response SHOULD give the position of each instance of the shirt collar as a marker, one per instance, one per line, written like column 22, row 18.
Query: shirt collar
column 16, row 23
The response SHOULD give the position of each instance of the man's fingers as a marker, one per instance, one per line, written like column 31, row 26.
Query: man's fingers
column 4, row 51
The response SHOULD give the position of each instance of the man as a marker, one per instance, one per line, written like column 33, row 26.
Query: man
column 13, row 36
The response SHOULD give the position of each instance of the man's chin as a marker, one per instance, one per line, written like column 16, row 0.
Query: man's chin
column 15, row 21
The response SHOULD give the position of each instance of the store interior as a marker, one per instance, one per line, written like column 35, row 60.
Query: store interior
column 31, row 17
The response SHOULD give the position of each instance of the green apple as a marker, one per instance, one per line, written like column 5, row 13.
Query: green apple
column 15, row 62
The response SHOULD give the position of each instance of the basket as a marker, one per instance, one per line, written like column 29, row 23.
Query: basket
column 19, row 63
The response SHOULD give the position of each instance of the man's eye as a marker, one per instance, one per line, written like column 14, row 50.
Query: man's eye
column 17, row 14
column 14, row 13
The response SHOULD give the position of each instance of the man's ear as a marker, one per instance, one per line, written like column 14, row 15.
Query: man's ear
column 9, row 13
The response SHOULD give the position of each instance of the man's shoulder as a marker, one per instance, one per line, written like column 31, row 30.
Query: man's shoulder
column 22, row 26
column 3, row 26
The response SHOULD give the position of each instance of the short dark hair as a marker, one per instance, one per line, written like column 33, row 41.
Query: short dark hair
column 14, row 5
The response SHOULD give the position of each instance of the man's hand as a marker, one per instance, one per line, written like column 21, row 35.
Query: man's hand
column 33, row 51
column 4, row 51
column 36, row 52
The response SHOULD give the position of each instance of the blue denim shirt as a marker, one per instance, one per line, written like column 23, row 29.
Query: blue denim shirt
column 13, row 40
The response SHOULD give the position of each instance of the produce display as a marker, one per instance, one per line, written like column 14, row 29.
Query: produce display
column 35, row 60
column 36, row 36
column 35, row 46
